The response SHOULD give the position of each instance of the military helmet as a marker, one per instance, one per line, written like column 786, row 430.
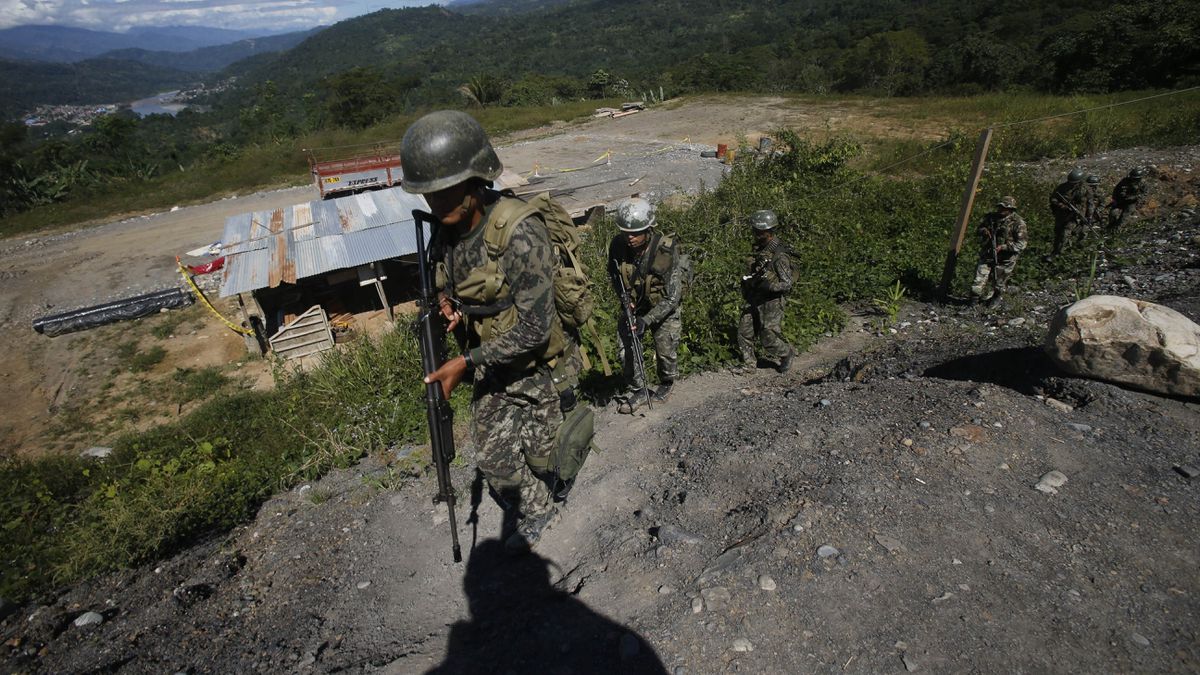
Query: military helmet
column 764, row 220
column 1075, row 176
column 1093, row 179
column 1137, row 172
column 1007, row 202
column 443, row 149
column 635, row 215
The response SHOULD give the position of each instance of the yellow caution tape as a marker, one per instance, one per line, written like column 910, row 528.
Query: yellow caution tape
column 200, row 294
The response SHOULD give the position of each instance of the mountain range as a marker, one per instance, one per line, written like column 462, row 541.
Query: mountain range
column 66, row 44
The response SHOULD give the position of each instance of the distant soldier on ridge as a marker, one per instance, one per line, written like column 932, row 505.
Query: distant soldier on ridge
column 652, row 268
column 764, row 289
column 1127, row 196
column 1068, row 203
column 1002, row 237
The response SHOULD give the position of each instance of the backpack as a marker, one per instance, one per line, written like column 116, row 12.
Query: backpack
column 573, row 297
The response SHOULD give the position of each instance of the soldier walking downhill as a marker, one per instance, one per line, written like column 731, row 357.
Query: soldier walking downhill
column 1002, row 237
column 1095, row 203
column 653, row 269
column 1127, row 196
column 1068, row 203
column 515, row 338
column 764, row 289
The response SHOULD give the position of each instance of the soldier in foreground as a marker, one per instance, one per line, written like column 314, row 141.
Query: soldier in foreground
column 1002, row 237
column 650, row 266
column 1127, row 196
column 764, row 289
column 1068, row 203
column 514, row 335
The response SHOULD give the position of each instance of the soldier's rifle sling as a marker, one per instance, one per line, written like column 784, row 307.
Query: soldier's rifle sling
column 437, row 408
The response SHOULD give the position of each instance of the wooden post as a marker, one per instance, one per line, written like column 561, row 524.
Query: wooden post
column 964, row 214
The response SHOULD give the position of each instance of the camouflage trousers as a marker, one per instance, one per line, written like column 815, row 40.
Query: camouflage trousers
column 513, row 423
column 998, row 274
column 666, row 350
column 762, row 321
column 1067, row 228
column 1118, row 214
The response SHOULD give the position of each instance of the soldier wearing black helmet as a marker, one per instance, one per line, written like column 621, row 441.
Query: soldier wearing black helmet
column 1127, row 196
column 1002, row 237
column 1068, row 203
column 764, row 291
column 654, row 270
column 514, row 337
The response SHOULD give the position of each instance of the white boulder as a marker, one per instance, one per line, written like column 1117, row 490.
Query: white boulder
column 1130, row 342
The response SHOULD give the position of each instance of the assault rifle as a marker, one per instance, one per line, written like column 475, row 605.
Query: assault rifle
column 635, row 340
column 437, row 408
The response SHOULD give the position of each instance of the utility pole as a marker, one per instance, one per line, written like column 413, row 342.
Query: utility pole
column 964, row 214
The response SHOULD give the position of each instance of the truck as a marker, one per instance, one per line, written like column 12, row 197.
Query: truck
column 348, row 175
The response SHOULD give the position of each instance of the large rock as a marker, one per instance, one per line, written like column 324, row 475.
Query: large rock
column 1131, row 342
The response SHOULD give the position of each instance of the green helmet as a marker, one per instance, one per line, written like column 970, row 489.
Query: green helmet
column 1137, row 172
column 1093, row 179
column 1007, row 202
column 443, row 149
column 764, row 220
column 635, row 215
column 1075, row 176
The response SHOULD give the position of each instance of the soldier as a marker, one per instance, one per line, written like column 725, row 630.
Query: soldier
column 1002, row 237
column 1095, row 203
column 1127, row 196
column 764, row 290
column 1067, row 203
column 514, row 336
column 653, row 270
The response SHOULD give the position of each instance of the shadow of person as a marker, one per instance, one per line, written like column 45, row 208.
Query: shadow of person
column 521, row 624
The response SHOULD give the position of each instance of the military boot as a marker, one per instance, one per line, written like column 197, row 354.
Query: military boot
column 786, row 362
column 663, row 391
column 634, row 402
column 996, row 300
column 529, row 532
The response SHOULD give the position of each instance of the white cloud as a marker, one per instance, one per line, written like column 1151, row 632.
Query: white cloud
column 121, row 15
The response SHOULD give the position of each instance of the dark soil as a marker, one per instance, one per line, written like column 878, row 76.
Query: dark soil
column 693, row 541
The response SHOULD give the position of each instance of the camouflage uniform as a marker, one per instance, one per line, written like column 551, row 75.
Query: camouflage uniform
column 654, row 277
column 764, row 290
column 515, row 405
column 1009, row 233
column 1126, row 196
column 1068, row 203
column 1095, row 204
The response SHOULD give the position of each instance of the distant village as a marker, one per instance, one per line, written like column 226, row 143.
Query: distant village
column 78, row 116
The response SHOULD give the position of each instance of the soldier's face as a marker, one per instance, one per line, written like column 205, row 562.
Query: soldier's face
column 455, row 206
column 762, row 236
column 637, row 239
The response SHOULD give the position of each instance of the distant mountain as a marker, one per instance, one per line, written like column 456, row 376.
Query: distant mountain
column 64, row 44
column 27, row 84
column 501, row 7
column 212, row 59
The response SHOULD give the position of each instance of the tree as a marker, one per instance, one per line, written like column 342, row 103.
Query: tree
column 891, row 63
column 359, row 97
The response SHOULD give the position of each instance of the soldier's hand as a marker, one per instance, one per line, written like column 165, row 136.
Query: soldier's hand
column 449, row 375
column 451, row 315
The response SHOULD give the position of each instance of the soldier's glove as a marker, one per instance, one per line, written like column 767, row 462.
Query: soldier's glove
column 639, row 325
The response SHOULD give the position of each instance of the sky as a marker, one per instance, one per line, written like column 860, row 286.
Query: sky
column 121, row 15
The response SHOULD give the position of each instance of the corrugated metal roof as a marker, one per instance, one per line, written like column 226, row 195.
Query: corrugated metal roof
column 266, row 248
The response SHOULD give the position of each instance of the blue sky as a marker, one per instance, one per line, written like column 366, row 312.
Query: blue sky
column 121, row 15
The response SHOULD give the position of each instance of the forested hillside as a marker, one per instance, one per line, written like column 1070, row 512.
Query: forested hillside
column 27, row 83
column 365, row 71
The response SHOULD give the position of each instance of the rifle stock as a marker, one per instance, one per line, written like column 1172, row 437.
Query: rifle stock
column 437, row 408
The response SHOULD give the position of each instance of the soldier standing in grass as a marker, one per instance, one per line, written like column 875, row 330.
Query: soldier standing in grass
column 514, row 336
column 1068, row 203
column 1126, row 197
column 764, row 289
column 1002, row 237
column 1095, row 203
column 653, row 269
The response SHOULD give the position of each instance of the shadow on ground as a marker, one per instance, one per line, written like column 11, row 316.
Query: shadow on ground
column 520, row 623
column 1022, row 369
